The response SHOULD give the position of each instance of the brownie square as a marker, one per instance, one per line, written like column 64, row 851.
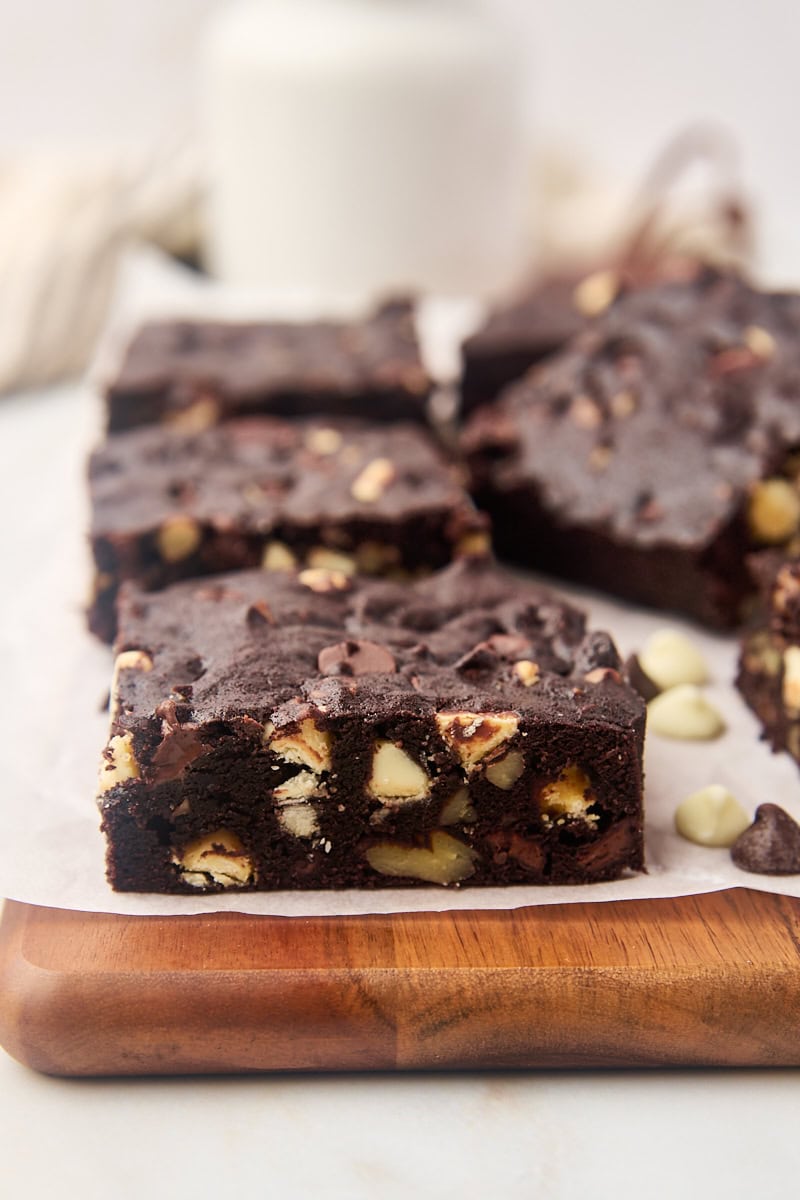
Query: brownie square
column 769, row 663
column 313, row 730
column 657, row 451
column 517, row 336
column 191, row 374
column 263, row 491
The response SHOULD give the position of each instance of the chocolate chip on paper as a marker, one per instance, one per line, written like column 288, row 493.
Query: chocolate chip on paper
column 771, row 845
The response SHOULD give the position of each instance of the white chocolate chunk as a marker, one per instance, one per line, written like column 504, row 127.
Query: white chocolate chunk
column 570, row 795
column 773, row 511
column 457, row 809
column 217, row 857
column 395, row 775
column 668, row 657
column 683, row 712
column 297, row 789
column 711, row 816
column 196, row 417
column 474, row 735
column 790, row 686
column 594, row 293
column 278, row 557
column 307, row 746
column 759, row 341
column 505, row 772
column 324, row 441
column 448, row 860
column 527, row 672
column 118, row 764
column 322, row 558
column 299, row 820
column 178, row 538
column 373, row 481
column 320, row 579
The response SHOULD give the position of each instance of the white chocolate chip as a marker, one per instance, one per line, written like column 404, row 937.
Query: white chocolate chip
column 759, row 341
column 791, row 680
column 570, row 795
column 711, row 817
column 178, row 538
column 118, row 764
column 299, row 820
column 669, row 658
column 474, row 735
column 297, row 789
column 596, row 292
column 217, row 857
column 307, row 746
column 278, row 557
column 457, row 809
column 324, row 441
column 683, row 712
column 773, row 511
column 373, row 481
column 325, row 559
column 505, row 772
column 318, row 579
column 395, row 775
column 448, row 860
column 527, row 672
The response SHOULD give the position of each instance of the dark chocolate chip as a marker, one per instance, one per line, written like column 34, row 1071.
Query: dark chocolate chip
column 356, row 658
column 771, row 845
column 596, row 650
column 647, row 688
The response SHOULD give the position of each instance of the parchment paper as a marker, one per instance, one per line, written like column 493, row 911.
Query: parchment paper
column 54, row 679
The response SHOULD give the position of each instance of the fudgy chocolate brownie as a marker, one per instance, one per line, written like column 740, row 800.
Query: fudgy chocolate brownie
column 260, row 490
column 769, row 664
column 521, row 334
column 314, row 731
column 652, row 455
column 190, row 374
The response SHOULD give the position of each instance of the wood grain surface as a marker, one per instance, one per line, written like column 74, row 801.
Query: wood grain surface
column 709, row 979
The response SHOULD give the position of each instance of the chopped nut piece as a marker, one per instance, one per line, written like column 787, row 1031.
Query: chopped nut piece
column 790, row 688
column 323, row 558
column 217, row 857
column 197, row 417
column 324, row 441
column 760, row 656
column 773, row 512
column 474, row 735
column 373, row 481
column 599, row 458
column 475, row 544
column 307, row 746
column 278, row 557
column 585, row 413
column 178, row 538
column 297, row 789
column 711, row 817
column 623, row 404
column 759, row 341
column 317, row 579
column 447, row 861
column 506, row 771
column 527, row 672
column 601, row 674
column 596, row 292
column 683, row 712
column 670, row 658
column 118, row 763
column 395, row 775
column 570, row 795
column 457, row 809
column 299, row 820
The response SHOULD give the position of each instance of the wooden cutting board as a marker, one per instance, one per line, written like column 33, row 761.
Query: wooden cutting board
column 709, row 979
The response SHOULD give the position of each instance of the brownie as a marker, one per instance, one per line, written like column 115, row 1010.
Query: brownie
column 656, row 451
column 281, row 730
column 769, row 664
column 265, row 491
column 190, row 374
column 517, row 336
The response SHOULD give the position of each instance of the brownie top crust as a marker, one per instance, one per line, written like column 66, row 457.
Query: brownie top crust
column 275, row 646
column 247, row 366
column 254, row 473
column 654, row 423
column 542, row 320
